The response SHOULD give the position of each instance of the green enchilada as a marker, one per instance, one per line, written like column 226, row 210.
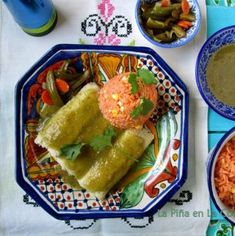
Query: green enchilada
column 104, row 154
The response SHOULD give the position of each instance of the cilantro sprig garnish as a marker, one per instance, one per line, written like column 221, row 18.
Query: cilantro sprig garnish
column 99, row 142
column 146, row 76
column 133, row 81
column 71, row 151
column 143, row 108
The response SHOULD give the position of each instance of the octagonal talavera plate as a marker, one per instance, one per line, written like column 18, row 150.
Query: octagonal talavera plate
column 152, row 181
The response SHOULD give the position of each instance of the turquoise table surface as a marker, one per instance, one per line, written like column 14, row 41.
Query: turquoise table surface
column 219, row 14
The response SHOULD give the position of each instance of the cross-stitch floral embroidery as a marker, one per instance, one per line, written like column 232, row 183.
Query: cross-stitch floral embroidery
column 104, row 27
column 106, row 9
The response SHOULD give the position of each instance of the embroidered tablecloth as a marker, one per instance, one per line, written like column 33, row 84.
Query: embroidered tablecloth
column 99, row 22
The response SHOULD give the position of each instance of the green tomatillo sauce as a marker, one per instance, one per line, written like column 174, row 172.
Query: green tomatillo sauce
column 221, row 74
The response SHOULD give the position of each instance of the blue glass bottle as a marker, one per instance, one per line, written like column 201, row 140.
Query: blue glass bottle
column 35, row 17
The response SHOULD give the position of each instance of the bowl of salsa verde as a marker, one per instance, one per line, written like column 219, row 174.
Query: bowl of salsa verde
column 215, row 69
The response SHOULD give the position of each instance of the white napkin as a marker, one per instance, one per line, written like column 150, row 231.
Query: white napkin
column 20, row 216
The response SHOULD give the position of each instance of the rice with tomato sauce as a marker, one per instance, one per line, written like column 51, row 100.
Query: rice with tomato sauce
column 224, row 175
column 116, row 101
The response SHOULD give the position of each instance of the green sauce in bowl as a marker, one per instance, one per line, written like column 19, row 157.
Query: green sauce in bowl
column 221, row 74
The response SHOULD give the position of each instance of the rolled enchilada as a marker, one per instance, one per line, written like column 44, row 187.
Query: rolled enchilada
column 67, row 123
column 79, row 121
column 74, row 123
column 113, row 163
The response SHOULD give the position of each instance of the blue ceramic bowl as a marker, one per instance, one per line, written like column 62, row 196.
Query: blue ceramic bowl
column 40, row 176
column 222, row 37
column 191, row 33
column 220, row 206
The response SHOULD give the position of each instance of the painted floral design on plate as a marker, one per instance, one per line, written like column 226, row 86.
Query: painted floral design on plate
column 148, row 179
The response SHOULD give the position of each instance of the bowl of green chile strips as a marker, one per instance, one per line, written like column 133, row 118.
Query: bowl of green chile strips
column 168, row 23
